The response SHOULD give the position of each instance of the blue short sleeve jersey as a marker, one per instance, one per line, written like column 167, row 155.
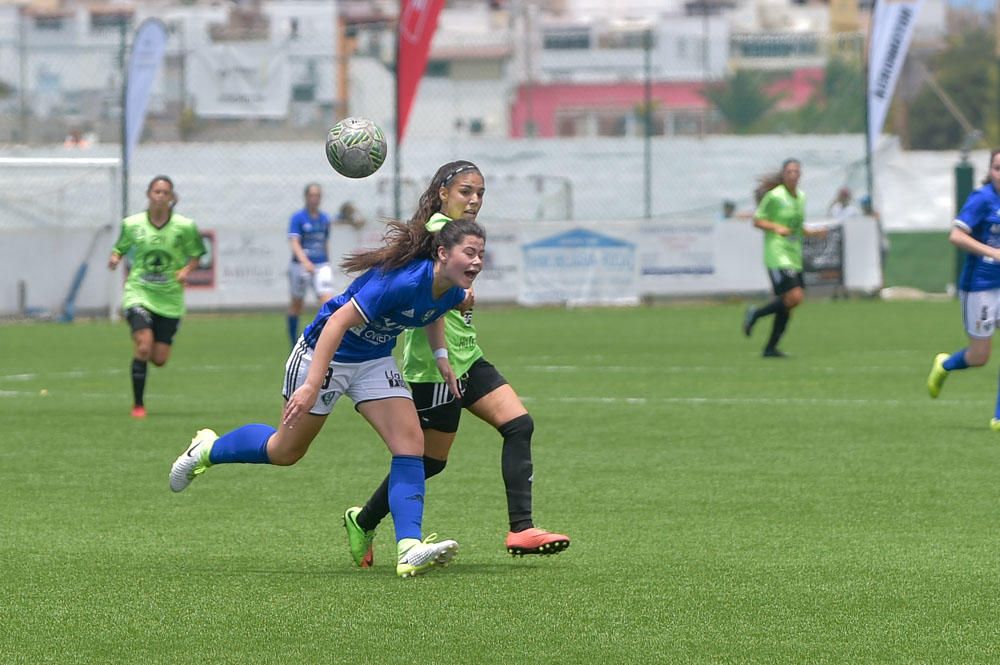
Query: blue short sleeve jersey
column 389, row 302
column 980, row 218
column 312, row 232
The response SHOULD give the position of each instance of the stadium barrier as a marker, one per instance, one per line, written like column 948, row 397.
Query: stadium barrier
column 534, row 263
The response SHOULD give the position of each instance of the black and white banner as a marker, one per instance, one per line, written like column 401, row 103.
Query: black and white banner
column 892, row 29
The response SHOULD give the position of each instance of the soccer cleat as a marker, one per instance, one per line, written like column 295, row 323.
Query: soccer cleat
column 749, row 318
column 774, row 353
column 535, row 541
column 995, row 424
column 417, row 557
column 138, row 411
column 937, row 376
column 359, row 540
column 192, row 461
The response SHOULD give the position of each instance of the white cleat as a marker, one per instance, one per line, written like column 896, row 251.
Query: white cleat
column 419, row 557
column 193, row 461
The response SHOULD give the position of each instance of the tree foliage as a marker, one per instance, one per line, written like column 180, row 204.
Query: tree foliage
column 966, row 71
column 742, row 100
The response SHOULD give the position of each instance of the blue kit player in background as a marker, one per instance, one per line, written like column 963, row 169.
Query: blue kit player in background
column 308, row 237
column 410, row 282
column 976, row 231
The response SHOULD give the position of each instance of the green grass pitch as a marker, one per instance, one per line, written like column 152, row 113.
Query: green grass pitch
column 723, row 508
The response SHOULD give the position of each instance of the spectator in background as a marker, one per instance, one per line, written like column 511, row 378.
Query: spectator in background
column 843, row 207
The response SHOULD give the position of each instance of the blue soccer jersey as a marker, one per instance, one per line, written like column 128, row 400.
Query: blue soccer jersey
column 980, row 217
column 312, row 232
column 389, row 302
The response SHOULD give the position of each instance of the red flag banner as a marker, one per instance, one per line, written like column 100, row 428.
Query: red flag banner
column 417, row 23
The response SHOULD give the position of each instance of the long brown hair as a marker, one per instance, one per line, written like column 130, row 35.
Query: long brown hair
column 989, row 166
column 770, row 181
column 405, row 241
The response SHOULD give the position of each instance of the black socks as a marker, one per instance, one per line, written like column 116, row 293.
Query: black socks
column 138, row 380
column 515, row 463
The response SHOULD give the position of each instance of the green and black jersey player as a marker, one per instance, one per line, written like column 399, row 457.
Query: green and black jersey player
column 456, row 192
column 781, row 214
column 164, row 248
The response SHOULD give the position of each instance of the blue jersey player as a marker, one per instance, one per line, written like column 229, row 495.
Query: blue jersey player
column 411, row 282
column 308, row 238
column 977, row 232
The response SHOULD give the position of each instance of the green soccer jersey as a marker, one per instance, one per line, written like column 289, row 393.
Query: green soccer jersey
column 156, row 256
column 780, row 206
column 418, row 359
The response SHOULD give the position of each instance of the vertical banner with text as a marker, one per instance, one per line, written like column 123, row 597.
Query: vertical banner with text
column 891, row 31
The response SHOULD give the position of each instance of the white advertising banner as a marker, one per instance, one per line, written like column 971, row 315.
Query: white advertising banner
column 241, row 80
column 891, row 31
column 677, row 249
column 579, row 265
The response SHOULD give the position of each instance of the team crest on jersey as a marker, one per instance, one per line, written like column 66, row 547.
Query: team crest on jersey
column 428, row 316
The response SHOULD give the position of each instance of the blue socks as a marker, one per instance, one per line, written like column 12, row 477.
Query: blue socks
column 248, row 445
column 406, row 495
column 956, row 361
column 293, row 328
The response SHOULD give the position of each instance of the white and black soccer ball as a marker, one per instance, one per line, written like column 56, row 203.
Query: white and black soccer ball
column 356, row 147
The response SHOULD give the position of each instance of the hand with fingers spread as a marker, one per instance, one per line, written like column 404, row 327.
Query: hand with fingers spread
column 299, row 404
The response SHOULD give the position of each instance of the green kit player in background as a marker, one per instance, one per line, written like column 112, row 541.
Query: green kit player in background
column 781, row 214
column 456, row 192
column 164, row 248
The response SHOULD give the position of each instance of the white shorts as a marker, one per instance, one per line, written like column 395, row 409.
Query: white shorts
column 321, row 280
column 362, row 382
column 980, row 310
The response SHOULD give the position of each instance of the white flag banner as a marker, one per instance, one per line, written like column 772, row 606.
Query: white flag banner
column 144, row 63
column 891, row 32
column 241, row 80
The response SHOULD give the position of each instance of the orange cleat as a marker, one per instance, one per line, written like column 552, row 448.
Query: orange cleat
column 535, row 541
column 138, row 412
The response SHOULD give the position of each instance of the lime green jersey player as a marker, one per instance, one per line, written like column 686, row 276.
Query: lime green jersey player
column 164, row 248
column 781, row 206
column 158, row 253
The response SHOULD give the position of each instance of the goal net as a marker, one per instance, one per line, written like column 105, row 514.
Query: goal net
column 57, row 221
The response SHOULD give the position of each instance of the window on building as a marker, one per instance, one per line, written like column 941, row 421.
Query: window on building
column 626, row 39
column 49, row 23
column 438, row 69
column 566, row 39
column 571, row 124
column 611, row 123
column 109, row 22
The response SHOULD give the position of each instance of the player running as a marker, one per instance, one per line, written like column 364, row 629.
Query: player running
column 781, row 214
column 410, row 282
column 165, row 249
column 976, row 231
column 456, row 192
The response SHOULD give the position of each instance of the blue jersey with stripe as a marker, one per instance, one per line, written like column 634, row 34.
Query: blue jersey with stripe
column 980, row 217
column 312, row 232
column 389, row 302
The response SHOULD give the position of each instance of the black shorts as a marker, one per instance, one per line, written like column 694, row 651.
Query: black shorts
column 783, row 281
column 437, row 407
column 164, row 328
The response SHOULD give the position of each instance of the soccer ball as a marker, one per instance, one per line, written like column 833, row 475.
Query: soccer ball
column 355, row 147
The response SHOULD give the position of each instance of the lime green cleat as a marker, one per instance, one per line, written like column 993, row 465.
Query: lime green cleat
column 193, row 461
column 995, row 424
column 359, row 540
column 937, row 376
column 418, row 557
